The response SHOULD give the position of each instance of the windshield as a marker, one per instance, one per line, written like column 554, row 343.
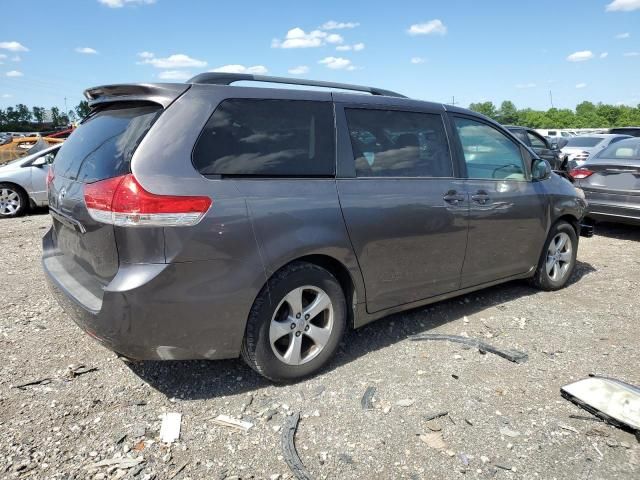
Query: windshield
column 623, row 150
column 583, row 141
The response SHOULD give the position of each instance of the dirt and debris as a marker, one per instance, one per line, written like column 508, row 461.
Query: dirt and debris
column 289, row 451
column 483, row 347
column 366, row 402
column 54, row 430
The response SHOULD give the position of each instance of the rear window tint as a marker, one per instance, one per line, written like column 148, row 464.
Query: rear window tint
column 268, row 138
column 584, row 141
column 103, row 145
column 624, row 150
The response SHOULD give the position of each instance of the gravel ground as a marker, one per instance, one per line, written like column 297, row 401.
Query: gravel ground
column 505, row 420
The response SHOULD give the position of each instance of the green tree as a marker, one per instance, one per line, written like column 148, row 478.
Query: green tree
column 508, row 113
column 38, row 114
column 83, row 109
column 485, row 108
column 55, row 116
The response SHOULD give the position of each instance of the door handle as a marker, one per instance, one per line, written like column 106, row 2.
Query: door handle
column 452, row 197
column 481, row 197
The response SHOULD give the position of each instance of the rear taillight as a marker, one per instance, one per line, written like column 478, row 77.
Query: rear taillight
column 580, row 173
column 122, row 201
column 50, row 177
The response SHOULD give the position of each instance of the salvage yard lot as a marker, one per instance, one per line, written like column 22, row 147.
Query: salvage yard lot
column 505, row 420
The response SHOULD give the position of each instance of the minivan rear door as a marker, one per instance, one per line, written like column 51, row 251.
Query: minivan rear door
column 100, row 148
column 405, row 210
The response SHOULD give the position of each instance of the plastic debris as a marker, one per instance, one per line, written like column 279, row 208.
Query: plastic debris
column 434, row 440
column 170, row 428
column 515, row 356
column 405, row 402
column 367, row 398
column 289, row 451
column 227, row 421
column 122, row 463
column 433, row 416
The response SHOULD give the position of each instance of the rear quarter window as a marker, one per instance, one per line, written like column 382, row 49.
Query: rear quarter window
column 103, row 145
column 268, row 138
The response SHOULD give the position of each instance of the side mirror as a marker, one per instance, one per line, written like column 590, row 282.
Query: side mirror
column 40, row 162
column 540, row 169
column 562, row 142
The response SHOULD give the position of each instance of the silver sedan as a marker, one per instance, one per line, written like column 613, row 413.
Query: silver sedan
column 23, row 182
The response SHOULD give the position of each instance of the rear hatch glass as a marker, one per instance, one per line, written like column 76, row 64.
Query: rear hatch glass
column 100, row 148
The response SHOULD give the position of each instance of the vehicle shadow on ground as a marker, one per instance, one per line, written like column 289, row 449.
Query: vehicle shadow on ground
column 619, row 231
column 196, row 380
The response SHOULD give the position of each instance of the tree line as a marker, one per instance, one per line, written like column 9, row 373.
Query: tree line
column 586, row 115
column 21, row 118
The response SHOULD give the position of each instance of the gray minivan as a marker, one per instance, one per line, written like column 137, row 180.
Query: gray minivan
column 204, row 220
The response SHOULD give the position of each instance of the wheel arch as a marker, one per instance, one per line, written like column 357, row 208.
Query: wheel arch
column 339, row 270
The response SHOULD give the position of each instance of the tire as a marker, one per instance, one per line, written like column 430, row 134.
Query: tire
column 274, row 335
column 14, row 201
column 558, row 258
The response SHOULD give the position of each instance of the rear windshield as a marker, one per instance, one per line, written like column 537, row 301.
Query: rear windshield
column 268, row 138
column 103, row 145
column 622, row 150
column 583, row 141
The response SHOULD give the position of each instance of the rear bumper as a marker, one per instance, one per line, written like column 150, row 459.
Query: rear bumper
column 179, row 311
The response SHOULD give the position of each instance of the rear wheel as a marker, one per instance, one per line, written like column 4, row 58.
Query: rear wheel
column 558, row 258
column 13, row 201
column 295, row 324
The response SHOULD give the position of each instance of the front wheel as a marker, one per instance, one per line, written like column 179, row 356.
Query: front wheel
column 558, row 258
column 295, row 324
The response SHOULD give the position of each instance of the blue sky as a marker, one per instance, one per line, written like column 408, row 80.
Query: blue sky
column 433, row 50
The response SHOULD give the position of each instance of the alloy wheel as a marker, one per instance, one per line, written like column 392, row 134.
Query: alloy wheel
column 9, row 202
column 559, row 255
column 301, row 325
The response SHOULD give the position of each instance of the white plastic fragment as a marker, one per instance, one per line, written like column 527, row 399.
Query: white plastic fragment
column 170, row 428
column 227, row 421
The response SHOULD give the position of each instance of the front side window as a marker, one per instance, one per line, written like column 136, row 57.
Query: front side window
column 488, row 153
column 268, row 138
column 388, row 143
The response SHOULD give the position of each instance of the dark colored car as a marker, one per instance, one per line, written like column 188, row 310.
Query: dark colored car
column 540, row 145
column 611, row 183
column 633, row 131
column 204, row 220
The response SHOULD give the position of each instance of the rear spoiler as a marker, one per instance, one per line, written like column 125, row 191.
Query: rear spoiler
column 161, row 93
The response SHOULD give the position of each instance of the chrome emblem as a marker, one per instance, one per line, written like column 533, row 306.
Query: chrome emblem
column 61, row 195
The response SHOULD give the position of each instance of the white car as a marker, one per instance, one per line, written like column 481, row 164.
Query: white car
column 579, row 149
column 23, row 182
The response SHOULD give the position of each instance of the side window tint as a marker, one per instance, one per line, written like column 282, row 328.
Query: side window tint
column 268, row 138
column 535, row 141
column 488, row 153
column 398, row 144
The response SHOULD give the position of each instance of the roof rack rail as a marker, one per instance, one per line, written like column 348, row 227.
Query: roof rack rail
column 220, row 78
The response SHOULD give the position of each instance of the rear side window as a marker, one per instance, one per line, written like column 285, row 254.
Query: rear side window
column 388, row 143
column 627, row 149
column 269, row 138
column 103, row 145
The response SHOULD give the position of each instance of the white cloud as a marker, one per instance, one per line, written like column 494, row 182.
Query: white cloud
column 623, row 5
column 16, row 58
column 631, row 54
column 299, row 70
column 86, row 50
column 337, row 63
column 13, row 46
column 298, row 38
column 604, row 54
column 432, row 27
column 6, row 95
column 355, row 47
column 417, row 60
column 122, row 3
column 333, row 25
column 255, row 70
column 14, row 73
column 178, row 60
column 622, row 36
column 581, row 85
column 178, row 75
column 580, row 56
column 526, row 85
